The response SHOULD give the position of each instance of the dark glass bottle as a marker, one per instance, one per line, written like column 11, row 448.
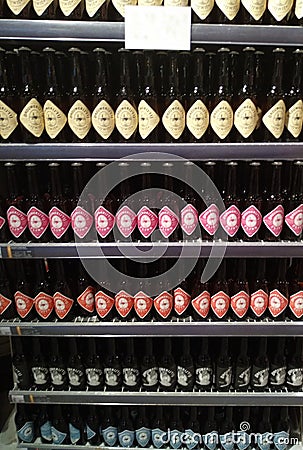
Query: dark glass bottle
column 278, row 292
column 149, row 367
column 168, row 205
column 281, row 427
column 242, row 369
column 292, row 230
column 261, row 92
column 16, row 207
column 126, row 429
column 278, row 14
column 230, row 219
column 39, row 366
column 125, row 216
column 251, row 217
column 260, row 366
column 71, row 10
column 220, row 299
column 143, row 431
column 200, row 294
column 109, row 427
column 105, row 208
column 112, row 368
column 295, row 311
column 167, row 368
column 182, row 297
column 209, row 219
column 147, row 217
column 294, row 375
column 7, row 308
column 226, row 429
column 159, row 429
column 59, row 214
column 161, row 88
column 8, row 101
column 60, row 430
column 244, row 439
column 239, row 292
column 223, row 374
column 204, row 367
column 75, row 368
column 92, row 426
column 193, row 429
column 104, row 300
column 259, row 291
column 293, row 100
column 163, row 303
column 44, row 426
column 84, row 292
column 93, row 367
column 24, row 294
column 273, row 209
column 210, row 429
column 97, row 10
column 25, row 426
column 189, row 216
column 131, row 373
column 277, row 374
column 124, row 301
column 20, row 365
column 185, row 367
column 264, row 428
column 44, row 302
column 63, row 298
column 176, row 427
column 57, row 367
column 76, row 427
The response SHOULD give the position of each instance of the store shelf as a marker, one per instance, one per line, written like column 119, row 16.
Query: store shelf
column 38, row 445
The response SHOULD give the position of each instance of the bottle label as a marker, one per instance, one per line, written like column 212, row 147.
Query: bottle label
column 16, row 6
column 104, row 221
column 75, row 376
column 86, row 300
column 112, row 376
column 150, row 377
column 79, row 118
column 110, row 435
column 264, row 441
column 68, row 6
column 174, row 119
column 277, row 375
column 120, row 5
column 259, row 302
column 259, row 376
column 147, row 221
column 168, row 221
column 148, row 119
column 185, row 376
column 93, row 376
column 277, row 303
column 227, row 441
column 143, row 436
column 243, row 440
column 159, row 437
column 242, row 377
column 189, row 219
column 24, row 304
column 201, row 304
column 55, row 119
column 211, row 440
column 57, row 436
column 294, row 220
column 164, row 304
column 2, row 222
column 246, row 118
column 58, row 376
column 281, row 440
column 209, row 219
column 224, row 376
column 256, row 9
column 221, row 119
column 130, row 376
column 46, row 431
column 294, row 119
column 197, row 117
column 126, row 221
column 8, row 120
column 231, row 220
column 59, row 222
column 240, row 303
column 40, row 375
column 274, row 220
column 37, row 222
column 124, row 303
column 26, row 433
column 279, row 9
column 296, row 304
column 126, row 116
column 103, row 116
column 17, row 221
column 274, row 119
column 103, row 303
column 90, row 433
column 175, row 436
column 74, row 434
column 32, row 119
column 220, row 304
column 18, row 374
column 181, row 301
column 251, row 221
column 202, row 8
column 81, row 221
column 126, row 438
column 204, row 376
column 150, row 2
column 63, row 304
column 4, row 303
column 299, row 9
column 167, row 377
column 142, row 304
column 294, row 377
column 44, row 305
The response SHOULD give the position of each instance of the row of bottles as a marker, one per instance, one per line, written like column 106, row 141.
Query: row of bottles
column 98, row 96
column 183, row 364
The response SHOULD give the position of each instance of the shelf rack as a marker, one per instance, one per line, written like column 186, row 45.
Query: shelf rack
column 37, row 445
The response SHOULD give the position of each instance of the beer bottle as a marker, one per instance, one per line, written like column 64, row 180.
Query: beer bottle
column 230, row 219
column 295, row 311
column 293, row 100
column 143, row 431
column 124, row 301
column 43, row 299
column 20, row 365
column 193, row 429
column 126, row 117
column 60, row 430
column 97, row 10
column 126, row 219
column 149, row 367
column 294, row 376
column 167, row 367
column 243, row 438
column 210, row 430
column 24, row 294
column 278, row 292
column 259, row 291
column 147, row 216
column 182, row 297
column 264, row 429
column 76, row 427
column 169, row 210
column 252, row 13
column 251, row 217
column 4, row 233
column 261, row 92
column 281, row 427
column 45, row 9
column 185, row 367
column 105, row 208
column 7, row 308
column 277, row 374
column 126, row 429
column 159, row 429
column 260, row 366
column 112, row 368
column 16, row 207
column 93, row 367
column 57, row 367
column 131, row 374
column 138, row 71
column 204, row 367
column 242, row 367
column 223, row 371
column 298, row 12
column 104, row 300
column 239, row 290
column 161, row 88
column 25, row 426
column 176, row 427
column 109, row 427
column 39, row 366
column 275, row 110
column 75, row 368
column 71, row 10
column 59, row 214
column 84, row 292
column 226, row 429
column 189, row 219
column 44, row 426
column 292, row 230
column 278, row 14
column 210, row 83
column 200, row 295
column 8, row 116
column 209, row 218
column 273, row 210
column 62, row 68
column 92, row 426
column 163, row 303
column 220, row 299
column 143, row 303
column 63, row 298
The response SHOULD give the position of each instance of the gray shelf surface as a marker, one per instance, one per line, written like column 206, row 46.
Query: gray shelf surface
column 37, row 445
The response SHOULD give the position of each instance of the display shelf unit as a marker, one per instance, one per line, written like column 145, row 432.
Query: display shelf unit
column 38, row 445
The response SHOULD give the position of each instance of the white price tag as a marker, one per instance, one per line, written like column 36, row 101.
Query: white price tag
column 5, row 331
column 17, row 398
column 157, row 27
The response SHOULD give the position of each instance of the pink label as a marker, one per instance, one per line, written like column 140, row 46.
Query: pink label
column 104, row 221
column 17, row 221
column 294, row 220
column 209, row 219
column 147, row 221
column 201, row 304
column 2, row 222
column 274, row 220
column 189, row 219
column 59, row 222
column 251, row 220
column 231, row 220
column 296, row 304
column 168, row 221
column 81, row 221
column 126, row 221
column 37, row 221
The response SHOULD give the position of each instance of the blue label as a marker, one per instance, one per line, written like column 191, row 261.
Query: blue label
column 110, row 435
column 264, row 441
column 58, row 436
column 243, row 440
column 46, row 431
column 26, row 433
column 159, row 437
column 143, row 436
column 281, row 440
column 126, row 438
column 211, row 440
column 191, row 439
column 74, row 434
column 227, row 441
column 175, row 439
column 90, row 433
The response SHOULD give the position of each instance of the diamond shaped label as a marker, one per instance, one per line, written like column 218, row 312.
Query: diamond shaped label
column 164, row 304
column 168, row 221
column 240, row 303
column 24, row 304
column 17, row 221
column 274, row 220
column 296, row 304
column 231, row 220
column 251, row 220
column 2, row 222
column 201, row 304
column 259, row 302
column 103, row 303
column 209, row 219
column 147, row 221
column 87, row 300
column 104, row 221
column 124, row 303
column 126, row 221
column 294, row 220
column 277, row 303
column 4, row 303
column 220, row 304
column 63, row 304
column 44, row 304
column 142, row 304
column 81, row 221
column 181, row 301
column 38, row 222
column 59, row 222
column 189, row 219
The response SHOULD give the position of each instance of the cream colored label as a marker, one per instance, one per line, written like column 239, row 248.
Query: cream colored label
column 202, row 7
column 279, row 8
column 174, row 119
column 31, row 117
column 256, row 8
column 299, row 9
column 92, row 6
column 229, row 8
column 79, row 119
column 68, row 6
column 221, row 119
column 150, row 2
column 174, row 3
column 148, row 119
column 274, row 119
column 41, row 5
column 197, row 119
column 294, row 119
column 126, row 119
column 120, row 5
column 260, row 113
column 246, row 118
column 8, row 120
column 103, row 119
column 54, row 119
column 16, row 6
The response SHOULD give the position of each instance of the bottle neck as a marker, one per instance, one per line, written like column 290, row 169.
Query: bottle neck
column 13, row 187
column 249, row 72
column 3, row 73
column 73, row 347
column 276, row 180
column 228, row 414
column 40, row 271
column 148, row 347
column 261, row 269
column 76, row 73
column 92, row 347
column 243, row 346
column 297, row 180
column 186, row 346
column 281, row 276
column 254, row 181
column 101, row 87
column 277, row 78
column 198, row 72
column 211, row 413
column 224, row 72
column 173, row 76
column 259, row 73
column 184, row 72
column 54, row 346
column 26, row 71
column 138, row 63
column 266, row 415
column 263, row 347
column 234, row 73
column 125, row 75
column 241, row 269
column 167, row 346
column 149, row 78
column 111, row 347
column 193, row 413
column 32, row 181
column 56, row 188
column 130, row 346
column 223, row 347
column 77, row 181
column 297, row 81
column 36, row 346
column 162, row 67
column 221, row 273
column 231, row 186
column 204, row 347
column 210, row 58
column 59, row 270
column 51, row 76
column 298, row 348
column 20, row 270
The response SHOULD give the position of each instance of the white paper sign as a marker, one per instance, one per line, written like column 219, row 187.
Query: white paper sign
column 157, row 27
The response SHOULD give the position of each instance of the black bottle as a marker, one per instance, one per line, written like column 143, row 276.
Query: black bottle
column 143, row 431
column 264, row 427
column 20, row 364
column 210, row 430
column 44, row 302
column 131, row 374
column 277, row 373
column 149, row 367
column 226, row 429
column 223, row 374
column 242, row 367
column 220, row 299
column 260, row 366
column 112, row 368
column 40, row 372
column 109, row 428
column 185, row 367
column 294, row 375
column 60, row 431
column 292, row 230
column 159, row 429
column 57, row 367
column 63, row 298
column 244, row 440
column 259, row 291
column 204, row 367
column 92, row 426
column 281, row 427
column 7, row 308
column 93, row 367
column 75, row 368
column 76, row 427
column 278, row 295
column 44, row 426
column 84, row 292
column 167, row 368
column 25, row 425
column 24, row 294
column 239, row 292
column 126, row 429
column 176, row 427
column 193, row 429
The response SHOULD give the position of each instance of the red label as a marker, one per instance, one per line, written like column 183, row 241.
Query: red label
column 4, row 303
column 17, row 221
column 124, row 303
column 164, row 304
column 104, row 221
column 251, row 220
column 274, row 220
column 2, row 222
column 181, row 301
column 168, row 221
column 240, row 303
column 44, row 304
column 23, row 303
column 63, row 304
column 59, row 222
column 126, row 221
column 81, row 221
column 296, row 304
column 294, row 220
column 277, row 303
column 86, row 300
column 37, row 221
column 103, row 303
column 220, row 304
column 231, row 220
column 259, row 302
column 209, row 219
column 201, row 304
column 189, row 219
column 142, row 304
column 147, row 221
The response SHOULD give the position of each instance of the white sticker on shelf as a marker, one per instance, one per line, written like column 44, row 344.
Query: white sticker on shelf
column 157, row 28
column 5, row 331
column 16, row 398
